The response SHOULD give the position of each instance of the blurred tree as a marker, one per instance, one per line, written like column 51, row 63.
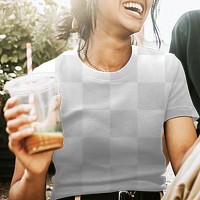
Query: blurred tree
column 22, row 22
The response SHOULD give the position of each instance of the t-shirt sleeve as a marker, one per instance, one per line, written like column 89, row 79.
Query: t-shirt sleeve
column 178, row 101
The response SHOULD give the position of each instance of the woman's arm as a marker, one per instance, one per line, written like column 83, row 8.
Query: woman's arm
column 27, row 186
column 181, row 138
column 29, row 177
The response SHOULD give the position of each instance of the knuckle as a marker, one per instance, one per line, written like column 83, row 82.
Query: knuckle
column 19, row 110
column 10, row 145
column 12, row 124
column 9, row 124
column 9, row 113
column 6, row 114
column 10, row 140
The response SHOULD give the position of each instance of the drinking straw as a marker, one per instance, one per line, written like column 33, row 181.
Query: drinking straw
column 29, row 70
column 29, row 57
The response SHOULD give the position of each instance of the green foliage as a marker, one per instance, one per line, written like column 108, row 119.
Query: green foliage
column 17, row 32
column 45, row 46
column 22, row 23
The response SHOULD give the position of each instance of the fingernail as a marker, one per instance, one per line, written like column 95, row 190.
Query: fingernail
column 27, row 108
column 30, row 130
column 32, row 118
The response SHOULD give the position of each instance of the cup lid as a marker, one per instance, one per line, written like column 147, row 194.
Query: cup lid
column 34, row 82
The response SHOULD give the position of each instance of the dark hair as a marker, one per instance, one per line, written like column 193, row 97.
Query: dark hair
column 154, row 13
column 83, row 14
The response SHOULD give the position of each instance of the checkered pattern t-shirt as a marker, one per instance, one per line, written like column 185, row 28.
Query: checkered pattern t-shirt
column 112, row 122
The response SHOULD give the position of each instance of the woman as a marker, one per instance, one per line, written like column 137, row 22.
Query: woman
column 115, row 100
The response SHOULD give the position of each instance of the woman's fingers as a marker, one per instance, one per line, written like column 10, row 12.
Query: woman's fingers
column 14, row 124
column 23, row 133
column 17, row 115
column 14, row 112
column 11, row 102
column 16, row 139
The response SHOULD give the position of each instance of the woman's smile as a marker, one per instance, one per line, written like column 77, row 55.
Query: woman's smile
column 133, row 8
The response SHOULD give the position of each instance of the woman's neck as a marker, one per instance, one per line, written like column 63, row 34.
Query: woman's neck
column 106, row 53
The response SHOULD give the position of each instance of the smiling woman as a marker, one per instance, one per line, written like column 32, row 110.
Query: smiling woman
column 115, row 103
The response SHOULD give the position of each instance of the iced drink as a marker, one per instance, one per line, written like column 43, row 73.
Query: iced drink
column 41, row 91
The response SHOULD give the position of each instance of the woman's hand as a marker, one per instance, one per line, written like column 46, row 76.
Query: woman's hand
column 19, row 127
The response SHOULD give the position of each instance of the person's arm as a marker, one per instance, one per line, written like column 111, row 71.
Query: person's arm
column 27, row 186
column 181, row 138
column 29, row 179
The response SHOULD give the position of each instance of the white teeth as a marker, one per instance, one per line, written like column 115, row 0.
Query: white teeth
column 134, row 6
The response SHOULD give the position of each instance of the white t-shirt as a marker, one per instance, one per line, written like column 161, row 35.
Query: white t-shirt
column 112, row 122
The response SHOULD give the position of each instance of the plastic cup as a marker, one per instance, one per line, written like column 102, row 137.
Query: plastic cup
column 41, row 91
